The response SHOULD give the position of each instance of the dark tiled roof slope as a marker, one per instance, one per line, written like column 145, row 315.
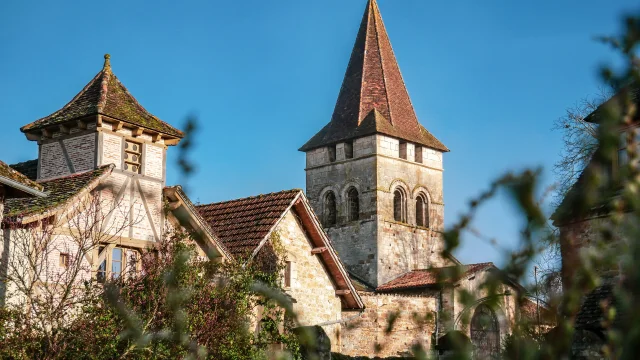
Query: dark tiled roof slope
column 529, row 310
column 373, row 97
column 105, row 95
column 242, row 224
column 8, row 172
column 27, row 168
column 430, row 277
column 590, row 315
column 58, row 191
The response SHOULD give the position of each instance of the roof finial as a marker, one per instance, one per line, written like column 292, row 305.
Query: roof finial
column 107, row 63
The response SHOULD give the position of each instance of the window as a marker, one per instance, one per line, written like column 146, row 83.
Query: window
column 353, row 204
column 422, row 211
column 116, row 262
column 485, row 333
column 348, row 149
column 132, row 156
column 329, row 209
column 403, row 150
column 332, row 153
column 419, row 154
column 287, row 274
column 64, row 260
column 399, row 206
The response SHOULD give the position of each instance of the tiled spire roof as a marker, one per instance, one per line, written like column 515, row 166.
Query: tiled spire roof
column 105, row 95
column 373, row 97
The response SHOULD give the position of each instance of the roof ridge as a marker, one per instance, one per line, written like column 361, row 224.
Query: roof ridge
column 374, row 7
column 82, row 92
column 251, row 197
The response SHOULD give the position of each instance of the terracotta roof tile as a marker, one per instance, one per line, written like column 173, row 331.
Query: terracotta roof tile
column 8, row 172
column 373, row 97
column 58, row 191
column 430, row 277
column 27, row 168
column 105, row 95
column 242, row 224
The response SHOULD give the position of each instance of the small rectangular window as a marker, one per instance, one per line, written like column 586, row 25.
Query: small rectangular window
column 348, row 149
column 419, row 154
column 403, row 150
column 116, row 263
column 287, row 274
column 132, row 156
column 332, row 153
column 64, row 260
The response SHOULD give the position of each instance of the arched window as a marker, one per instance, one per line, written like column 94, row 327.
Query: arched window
column 353, row 204
column 485, row 333
column 399, row 213
column 422, row 211
column 329, row 209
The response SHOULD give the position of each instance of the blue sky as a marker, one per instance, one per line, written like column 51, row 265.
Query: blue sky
column 488, row 78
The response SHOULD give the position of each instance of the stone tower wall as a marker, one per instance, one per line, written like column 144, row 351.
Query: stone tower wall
column 376, row 247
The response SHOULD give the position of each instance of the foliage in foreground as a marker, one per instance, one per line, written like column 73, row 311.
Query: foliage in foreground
column 175, row 308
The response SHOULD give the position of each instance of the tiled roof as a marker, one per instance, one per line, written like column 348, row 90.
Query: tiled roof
column 27, row 168
column 590, row 315
column 11, row 174
column 373, row 97
column 430, row 277
column 58, row 191
column 529, row 310
column 242, row 224
column 105, row 95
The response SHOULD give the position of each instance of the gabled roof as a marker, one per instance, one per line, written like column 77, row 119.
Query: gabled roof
column 431, row 277
column 105, row 95
column 27, row 168
column 244, row 226
column 59, row 192
column 373, row 97
column 19, row 184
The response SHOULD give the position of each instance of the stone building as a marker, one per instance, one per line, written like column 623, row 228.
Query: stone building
column 585, row 220
column 374, row 179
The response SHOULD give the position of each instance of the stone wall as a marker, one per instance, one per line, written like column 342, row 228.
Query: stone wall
column 377, row 247
column 360, row 335
column 311, row 285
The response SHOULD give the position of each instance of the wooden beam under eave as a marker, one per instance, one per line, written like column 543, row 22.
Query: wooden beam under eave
column 318, row 250
column 137, row 131
column 64, row 129
column 343, row 292
column 81, row 125
column 174, row 205
column 46, row 133
column 98, row 120
column 117, row 125
column 156, row 137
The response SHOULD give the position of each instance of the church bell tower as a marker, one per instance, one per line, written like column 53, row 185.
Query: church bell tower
column 374, row 173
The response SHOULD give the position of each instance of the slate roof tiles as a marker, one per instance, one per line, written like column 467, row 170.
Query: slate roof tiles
column 8, row 172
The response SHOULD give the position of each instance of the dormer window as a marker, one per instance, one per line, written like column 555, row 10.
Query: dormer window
column 132, row 156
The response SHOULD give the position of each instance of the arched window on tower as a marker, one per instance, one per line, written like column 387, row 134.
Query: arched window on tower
column 399, row 206
column 329, row 209
column 422, row 211
column 353, row 204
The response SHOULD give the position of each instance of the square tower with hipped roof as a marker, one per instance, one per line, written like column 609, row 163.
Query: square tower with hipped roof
column 374, row 173
column 104, row 124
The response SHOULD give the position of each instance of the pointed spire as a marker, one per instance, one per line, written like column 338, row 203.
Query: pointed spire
column 373, row 82
column 107, row 62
